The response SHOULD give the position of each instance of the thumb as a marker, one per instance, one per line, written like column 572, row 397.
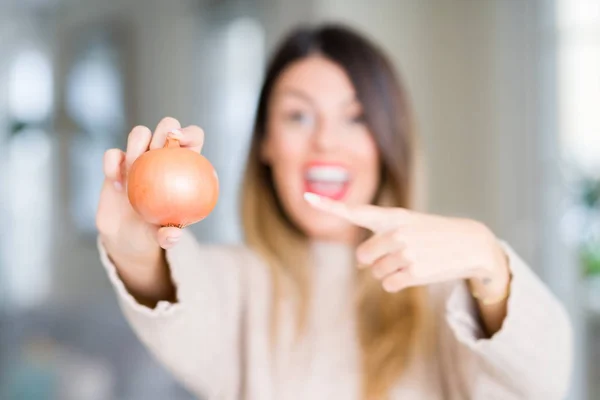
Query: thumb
column 168, row 236
column 367, row 216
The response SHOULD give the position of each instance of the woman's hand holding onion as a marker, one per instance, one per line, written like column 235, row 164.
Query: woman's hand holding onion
column 134, row 244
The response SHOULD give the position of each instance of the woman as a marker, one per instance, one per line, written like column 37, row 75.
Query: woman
column 436, row 308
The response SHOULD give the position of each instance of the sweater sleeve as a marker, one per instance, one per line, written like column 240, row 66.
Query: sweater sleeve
column 196, row 338
column 529, row 358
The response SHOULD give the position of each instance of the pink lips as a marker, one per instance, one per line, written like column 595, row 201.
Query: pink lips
column 327, row 179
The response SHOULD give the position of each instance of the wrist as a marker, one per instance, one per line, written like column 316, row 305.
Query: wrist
column 491, row 278
column 145, row 274
column 139, row 255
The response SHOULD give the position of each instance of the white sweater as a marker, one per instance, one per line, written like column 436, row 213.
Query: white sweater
column 216, row 338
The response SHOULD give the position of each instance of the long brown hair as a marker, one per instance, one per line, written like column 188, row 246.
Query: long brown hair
column 387, row 323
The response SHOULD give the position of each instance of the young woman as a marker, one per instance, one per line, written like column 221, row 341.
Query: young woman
column 342, row 292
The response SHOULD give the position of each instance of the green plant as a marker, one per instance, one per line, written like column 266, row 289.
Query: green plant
column 590, row 194
column 589, row 201
column 590, row 259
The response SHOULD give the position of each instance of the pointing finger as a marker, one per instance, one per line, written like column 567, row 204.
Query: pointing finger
column 371, row 217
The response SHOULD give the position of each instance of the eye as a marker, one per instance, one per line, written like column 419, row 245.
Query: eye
column 300, row 117
column 357, row 119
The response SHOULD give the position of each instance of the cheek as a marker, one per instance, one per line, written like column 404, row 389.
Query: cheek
column 286, row 156
column 365, row 160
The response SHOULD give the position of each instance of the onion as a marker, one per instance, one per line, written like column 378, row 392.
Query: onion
column 172, row 186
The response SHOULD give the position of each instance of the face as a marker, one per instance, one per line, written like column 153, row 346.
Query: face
column 317, row 141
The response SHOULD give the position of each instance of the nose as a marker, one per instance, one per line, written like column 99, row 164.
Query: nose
column 325, row 138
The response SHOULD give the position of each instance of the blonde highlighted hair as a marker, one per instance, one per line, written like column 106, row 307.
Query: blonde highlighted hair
column 387, row 324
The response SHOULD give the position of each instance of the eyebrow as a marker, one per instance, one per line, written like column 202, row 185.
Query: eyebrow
column 295, row 93
column 299, row 94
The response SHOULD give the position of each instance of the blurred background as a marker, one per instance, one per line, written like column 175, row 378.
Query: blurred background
column 507, row 95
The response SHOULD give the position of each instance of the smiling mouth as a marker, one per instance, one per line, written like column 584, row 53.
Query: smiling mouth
column 330, row 181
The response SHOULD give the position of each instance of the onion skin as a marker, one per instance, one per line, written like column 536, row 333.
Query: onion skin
column 172, row 186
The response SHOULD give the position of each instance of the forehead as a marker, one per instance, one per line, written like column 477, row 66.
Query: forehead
column 318, row 78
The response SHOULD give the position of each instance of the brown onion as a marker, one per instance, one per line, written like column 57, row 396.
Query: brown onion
column 172, row 186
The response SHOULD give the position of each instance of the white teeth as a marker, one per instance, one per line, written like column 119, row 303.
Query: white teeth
column 327, row 174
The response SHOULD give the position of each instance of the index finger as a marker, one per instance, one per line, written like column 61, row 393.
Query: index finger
column 137, row 144
column 367, row 216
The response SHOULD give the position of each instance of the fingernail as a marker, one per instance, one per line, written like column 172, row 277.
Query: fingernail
column 118, row 186
column 176, row 134
column 172, row 239
column 312, row 198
